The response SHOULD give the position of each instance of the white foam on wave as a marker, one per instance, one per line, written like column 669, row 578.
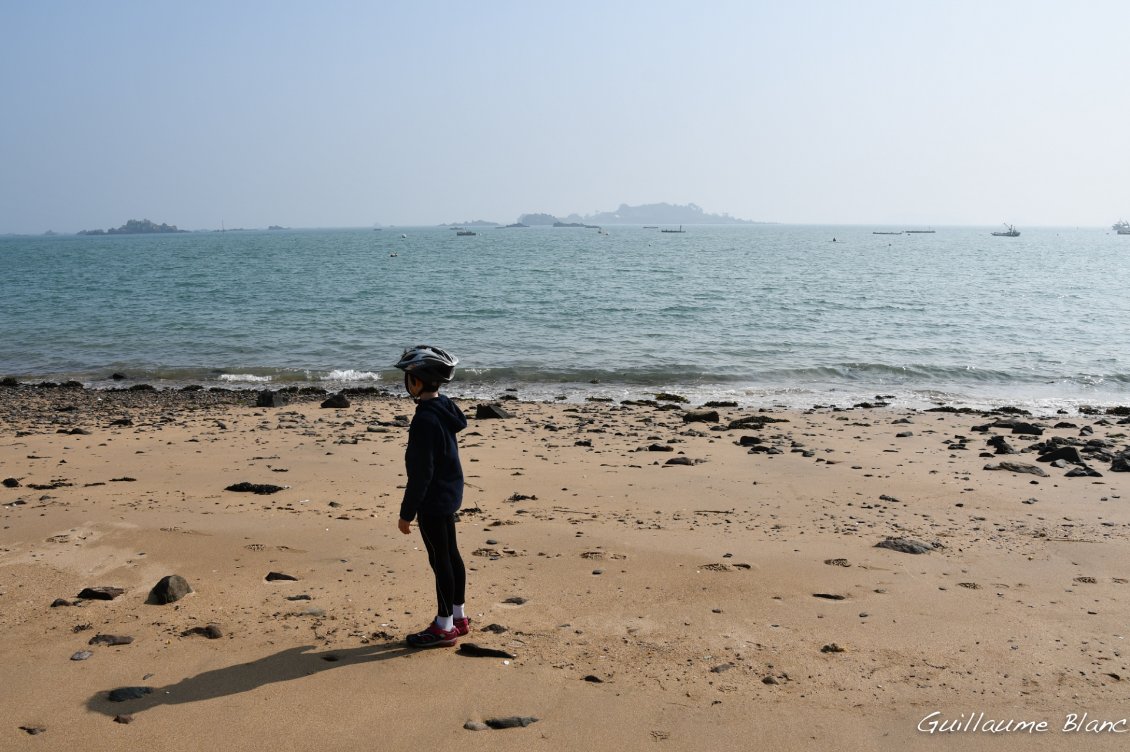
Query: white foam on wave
column 351, row 375
column 244, row 377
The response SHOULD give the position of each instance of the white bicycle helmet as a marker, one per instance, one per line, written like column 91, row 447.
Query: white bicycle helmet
column 427, row 363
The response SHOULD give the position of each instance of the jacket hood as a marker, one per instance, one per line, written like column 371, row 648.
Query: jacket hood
column 446, row 411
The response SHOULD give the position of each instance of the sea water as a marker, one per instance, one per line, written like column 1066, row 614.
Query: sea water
column 761, row 314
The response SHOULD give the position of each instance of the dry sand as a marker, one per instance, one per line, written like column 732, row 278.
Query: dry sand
column 676, row 607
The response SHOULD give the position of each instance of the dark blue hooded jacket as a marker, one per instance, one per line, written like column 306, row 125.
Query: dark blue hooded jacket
column 435, row 477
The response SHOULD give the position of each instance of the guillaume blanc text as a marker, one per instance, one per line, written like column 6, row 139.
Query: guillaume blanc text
column 980, row 723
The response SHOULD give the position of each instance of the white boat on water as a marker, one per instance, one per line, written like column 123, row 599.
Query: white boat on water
column 1122, row 227
column 1012, row 232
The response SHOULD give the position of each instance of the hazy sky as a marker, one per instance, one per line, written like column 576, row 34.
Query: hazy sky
column 335, row 114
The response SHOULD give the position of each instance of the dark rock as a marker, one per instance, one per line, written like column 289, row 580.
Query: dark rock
column 81, row 655
column 513, row 721
column 661, row 448
column 122, row 422
column 829, row 596
column 33, row 730
column 722, row 403
column 904, row 434
column 904, row 545
column 1120, row 464
column 1068, row 453
column 701, row 416
column 1018, row 467
column 277, row 576
column 1001, row 445
column 121, row 694
column 517, row 600
column 831, row 648
column 256, row 488
column 118, row 376
column 755, row 422
column 109, row 639
column 11, row 483
column 478, row 651
column 123, row 718
column 60, row 602
column 770, row 680
column 679, row 461
column 592, row 678
column 475, row 726
column 100, row 593
column 1083, row 471
column 212, row 632
column 494, row 628
column 668, row 397
column 583, row 443
column 749, row 440
column 722, row 667
column 491, row 411
column 268, row 398
column 338, row 400
column 169, row 589
column 141, row 388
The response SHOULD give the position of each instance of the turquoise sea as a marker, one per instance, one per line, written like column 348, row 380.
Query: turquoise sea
column 764, row 314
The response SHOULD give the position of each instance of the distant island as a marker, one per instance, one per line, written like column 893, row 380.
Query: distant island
column 134, row 227
column 647, row 214
column 472, row 223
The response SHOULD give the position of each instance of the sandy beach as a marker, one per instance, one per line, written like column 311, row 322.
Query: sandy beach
column 665, row 576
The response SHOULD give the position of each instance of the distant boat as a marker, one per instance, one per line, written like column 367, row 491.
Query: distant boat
column 919, row 232
column 1122, row 227
column 878, row 232
column 403, row 235
column 466, row 232
column 651, row 227
column 1124, row 230
column 1012, row 232
column 679, row 230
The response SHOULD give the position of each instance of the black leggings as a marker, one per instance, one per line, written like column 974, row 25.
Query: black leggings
column 438, row 533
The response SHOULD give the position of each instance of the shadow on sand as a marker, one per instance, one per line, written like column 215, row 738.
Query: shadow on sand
column 286, row 665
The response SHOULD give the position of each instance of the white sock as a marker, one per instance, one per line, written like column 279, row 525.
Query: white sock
column 459, row 612
column 446, row 623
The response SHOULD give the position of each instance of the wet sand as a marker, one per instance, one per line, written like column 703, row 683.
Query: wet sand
column 732, row 599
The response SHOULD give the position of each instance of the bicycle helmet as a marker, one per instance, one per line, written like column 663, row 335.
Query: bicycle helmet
column 428, row 364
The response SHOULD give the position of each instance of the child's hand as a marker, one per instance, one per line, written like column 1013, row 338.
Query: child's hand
column 404, row 525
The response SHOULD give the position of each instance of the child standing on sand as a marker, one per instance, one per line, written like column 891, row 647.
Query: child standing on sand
column 435, row 487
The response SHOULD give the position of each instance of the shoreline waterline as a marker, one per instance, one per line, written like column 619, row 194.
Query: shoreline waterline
column 686, row 396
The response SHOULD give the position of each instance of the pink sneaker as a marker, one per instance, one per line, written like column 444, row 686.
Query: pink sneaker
column 462, row 626
column 433, row 637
